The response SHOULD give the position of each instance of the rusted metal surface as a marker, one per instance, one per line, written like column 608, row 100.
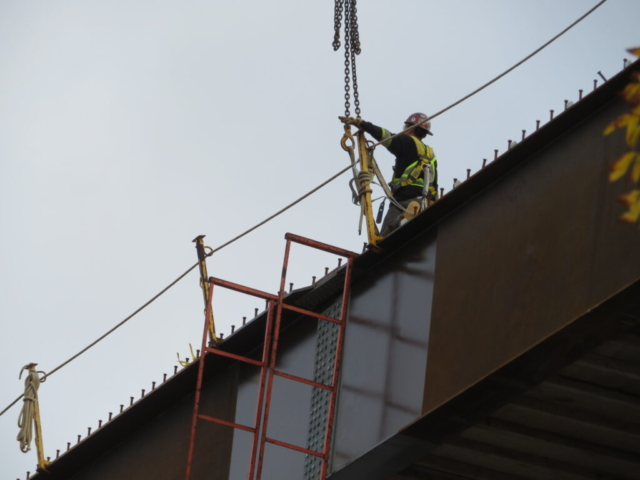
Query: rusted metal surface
column 527, row 257
column 156, row 451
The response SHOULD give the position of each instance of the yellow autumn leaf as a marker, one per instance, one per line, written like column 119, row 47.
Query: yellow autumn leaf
column 635, row 171
column 630, row 198
column 617, row 123
column 633, row 136
column 620, row 167
column 633, row 214
column 631, row 93
column 634, row 51
column 633, row 130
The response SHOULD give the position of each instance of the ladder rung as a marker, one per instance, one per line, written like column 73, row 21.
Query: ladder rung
column 294, row 447
column 311, row 314
column 242, row 289
column 320, row 246
column 302, row 380
column 215, row 351
column 228, row 424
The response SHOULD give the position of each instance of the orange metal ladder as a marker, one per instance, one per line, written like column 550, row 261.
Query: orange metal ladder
column 268, row 363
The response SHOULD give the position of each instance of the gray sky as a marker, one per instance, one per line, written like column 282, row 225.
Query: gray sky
column 128, row 128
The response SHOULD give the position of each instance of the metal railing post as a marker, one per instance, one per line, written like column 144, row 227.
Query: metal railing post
column 202, row 264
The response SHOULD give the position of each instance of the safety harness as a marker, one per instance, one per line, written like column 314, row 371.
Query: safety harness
column 413, row 174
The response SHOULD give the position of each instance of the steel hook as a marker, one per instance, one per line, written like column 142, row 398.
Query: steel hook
column 346, row 137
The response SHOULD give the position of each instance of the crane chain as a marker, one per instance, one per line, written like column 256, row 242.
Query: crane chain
column 337, row 24
column 351, row 49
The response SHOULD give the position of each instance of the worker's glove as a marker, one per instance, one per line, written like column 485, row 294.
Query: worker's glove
column 351, row 121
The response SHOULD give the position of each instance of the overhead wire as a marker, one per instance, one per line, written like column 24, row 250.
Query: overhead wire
column 490, row 82
column 236, row 238
column 311, row 192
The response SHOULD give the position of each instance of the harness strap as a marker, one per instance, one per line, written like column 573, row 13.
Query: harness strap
column 413, row 172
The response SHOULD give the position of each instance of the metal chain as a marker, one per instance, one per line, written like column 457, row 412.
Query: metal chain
column 337, row 23
column 351, row 49
column 347, row 59
column 355, row 50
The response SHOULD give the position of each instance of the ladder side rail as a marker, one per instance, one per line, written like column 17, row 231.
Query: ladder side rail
column 196, row 405
column 336, row 370
column 272, row 363
column 261, row 389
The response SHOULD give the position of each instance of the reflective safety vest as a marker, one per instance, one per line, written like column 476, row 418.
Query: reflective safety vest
column 413, row 174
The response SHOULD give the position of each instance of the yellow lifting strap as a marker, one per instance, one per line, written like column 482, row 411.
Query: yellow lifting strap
column 30, row 414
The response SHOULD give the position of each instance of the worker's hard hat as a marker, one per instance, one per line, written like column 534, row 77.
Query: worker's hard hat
column 417, row 118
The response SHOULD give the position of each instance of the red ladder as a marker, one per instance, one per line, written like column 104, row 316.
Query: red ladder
column 268, row 363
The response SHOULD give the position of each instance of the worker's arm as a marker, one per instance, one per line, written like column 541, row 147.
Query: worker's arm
column 399, row 146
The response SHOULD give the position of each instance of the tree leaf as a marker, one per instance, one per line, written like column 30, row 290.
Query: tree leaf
column 631, row 93
column 633, row 130
column 610, row 129
column 619, row 122
column 620, row 167
column 635, row 171
column 633, row 214
column 629, row 198
column 634, row 51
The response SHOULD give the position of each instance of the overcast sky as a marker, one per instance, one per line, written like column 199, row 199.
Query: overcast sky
column 129, row 128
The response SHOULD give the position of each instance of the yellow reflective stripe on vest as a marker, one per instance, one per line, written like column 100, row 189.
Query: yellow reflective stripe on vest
column 411, row 175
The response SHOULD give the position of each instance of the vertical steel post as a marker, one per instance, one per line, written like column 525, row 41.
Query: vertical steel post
column 196, row 405
column 204, row 277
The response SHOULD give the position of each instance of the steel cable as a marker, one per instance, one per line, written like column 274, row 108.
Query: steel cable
column 509, row 70
column 238, row 237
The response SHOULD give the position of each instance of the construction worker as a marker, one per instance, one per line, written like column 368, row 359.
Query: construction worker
column 407, row 184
